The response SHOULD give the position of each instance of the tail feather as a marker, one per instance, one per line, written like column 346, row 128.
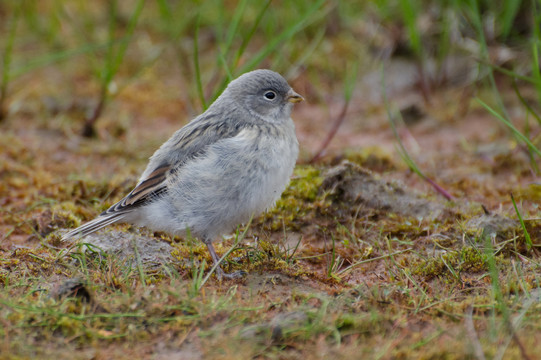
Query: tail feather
column 94, row 225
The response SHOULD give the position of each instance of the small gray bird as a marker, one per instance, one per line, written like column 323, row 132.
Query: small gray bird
column 228, row 164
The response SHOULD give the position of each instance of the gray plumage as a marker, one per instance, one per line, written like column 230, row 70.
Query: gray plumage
column 228, row 164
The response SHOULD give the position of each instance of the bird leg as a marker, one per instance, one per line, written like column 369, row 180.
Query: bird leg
column 216, row 259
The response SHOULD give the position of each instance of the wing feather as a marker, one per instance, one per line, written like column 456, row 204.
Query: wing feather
column 187, row 143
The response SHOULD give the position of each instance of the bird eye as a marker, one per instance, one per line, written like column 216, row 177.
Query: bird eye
column 270, row 95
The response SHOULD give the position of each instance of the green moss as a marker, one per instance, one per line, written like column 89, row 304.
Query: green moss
column 303, row 186
column 299, row 202
column 530, row 192
column 453, row 263
column 371, row 157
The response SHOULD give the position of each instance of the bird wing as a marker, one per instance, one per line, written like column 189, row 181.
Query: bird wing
column 191, row 141
column 147, row 189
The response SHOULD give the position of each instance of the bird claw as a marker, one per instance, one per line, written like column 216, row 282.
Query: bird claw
column 220, row 274
column 236, row 274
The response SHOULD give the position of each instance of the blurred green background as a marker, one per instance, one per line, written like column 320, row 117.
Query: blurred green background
column 193, row 48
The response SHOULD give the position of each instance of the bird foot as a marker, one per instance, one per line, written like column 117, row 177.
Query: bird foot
column 220, row 274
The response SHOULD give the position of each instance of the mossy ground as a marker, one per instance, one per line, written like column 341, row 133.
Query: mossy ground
column 327, row 277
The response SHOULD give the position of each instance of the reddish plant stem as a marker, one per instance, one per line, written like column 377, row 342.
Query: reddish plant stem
column 330, row 135
column 439, row 189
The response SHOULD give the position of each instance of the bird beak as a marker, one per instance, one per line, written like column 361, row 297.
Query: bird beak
column 293, row 97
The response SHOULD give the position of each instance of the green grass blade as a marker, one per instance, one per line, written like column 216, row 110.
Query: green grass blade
column 410, row 13
column 330, row 267
column 519, row 215
column 196, row 62
column 509, row 11
column 6, row 58
column 511, row 73
column 525, row 103
column 309, row 17
column 233, row 28
column 515, row 131
column 250, row 34
column 536, row 73
column 115, row 58
column 139, row 264
column 58, row 57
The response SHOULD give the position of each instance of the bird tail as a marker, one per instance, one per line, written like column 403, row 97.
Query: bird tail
column 94, row 225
